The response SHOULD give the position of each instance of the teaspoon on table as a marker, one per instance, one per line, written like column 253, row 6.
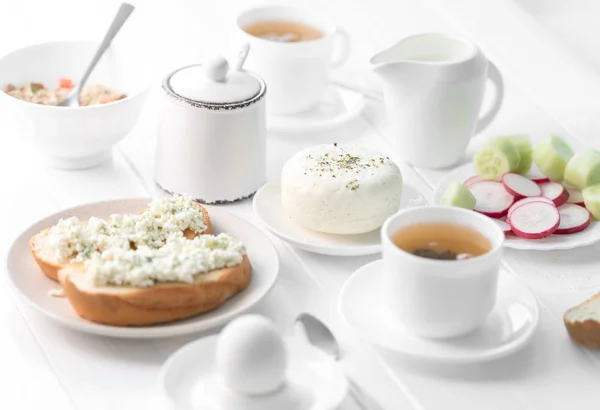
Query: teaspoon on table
column 319, row 335
column 125, row 10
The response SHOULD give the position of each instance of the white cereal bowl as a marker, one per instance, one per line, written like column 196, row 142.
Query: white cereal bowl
column 74, row 137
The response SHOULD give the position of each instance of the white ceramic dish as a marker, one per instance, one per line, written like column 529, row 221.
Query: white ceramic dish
column 187, row 376
column 74, row 137
column 507, row 329
column 33, row 286
column 267, row 208
column 336, row 108
column 553, row 242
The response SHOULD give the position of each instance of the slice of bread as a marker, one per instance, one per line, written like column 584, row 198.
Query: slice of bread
column 49, row 264
column 583, row 322
column 164, row 302
column 44, row 254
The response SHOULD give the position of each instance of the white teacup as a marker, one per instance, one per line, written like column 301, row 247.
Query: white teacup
column 296, row 73
column 440, row 298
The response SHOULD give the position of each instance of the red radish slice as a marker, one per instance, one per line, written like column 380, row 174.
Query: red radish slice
column 492, row 199
column 519, row 186
column 536, row 175
column 575, row 196
column 503, row 225
column 573, row 219
column 556, row 192
column 526, row 201
column 472, row 180
column 535, row 220
column 538, row 180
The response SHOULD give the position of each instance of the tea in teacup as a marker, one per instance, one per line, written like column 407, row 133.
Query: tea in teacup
column 440, row 240
column 283, row 31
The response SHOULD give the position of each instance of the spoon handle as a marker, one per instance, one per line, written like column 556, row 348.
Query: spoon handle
column 120, row 19
column 356, row 394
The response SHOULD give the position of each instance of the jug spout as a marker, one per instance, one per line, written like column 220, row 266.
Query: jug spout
column 425, row 57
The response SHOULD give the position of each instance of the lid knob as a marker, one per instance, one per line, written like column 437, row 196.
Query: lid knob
column 216, row 69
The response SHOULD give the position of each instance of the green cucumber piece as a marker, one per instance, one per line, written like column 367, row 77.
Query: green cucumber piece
column 551, row 157
column 591, row 199
column 583, row 169
column 523, row 145
column 457, row 195
column 496, row 158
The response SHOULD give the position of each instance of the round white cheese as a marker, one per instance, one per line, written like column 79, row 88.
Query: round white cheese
column 340, row 189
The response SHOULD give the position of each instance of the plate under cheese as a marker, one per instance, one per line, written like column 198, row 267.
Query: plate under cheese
column 340, row 189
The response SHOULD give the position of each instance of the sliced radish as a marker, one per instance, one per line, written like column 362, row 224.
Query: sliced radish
column 503, row 225
column 526, row 201
column 575, row 196
column 556, row 192
column 519, row 186
column 535, row 220
column 538, row 180
column 492, row 199
column 536, row 175
column 573, row 219
column 472, row 180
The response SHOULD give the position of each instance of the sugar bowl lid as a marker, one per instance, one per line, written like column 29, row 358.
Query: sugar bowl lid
column 214, row 83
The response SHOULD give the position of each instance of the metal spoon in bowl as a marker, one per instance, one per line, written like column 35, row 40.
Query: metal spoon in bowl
column 319, row 335
column 125, row 10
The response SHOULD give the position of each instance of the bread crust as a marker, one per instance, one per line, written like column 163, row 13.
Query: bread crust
column 587, row 332
column 128, row 306
column 50, row 268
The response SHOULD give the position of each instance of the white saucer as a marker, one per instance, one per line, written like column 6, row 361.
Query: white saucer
column 189, row 381
column 267, row 208
column 508, row 328
column 554, row 242
column 33, row 286
column 337, row 107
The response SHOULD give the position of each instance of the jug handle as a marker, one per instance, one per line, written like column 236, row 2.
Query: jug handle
column 496, row 78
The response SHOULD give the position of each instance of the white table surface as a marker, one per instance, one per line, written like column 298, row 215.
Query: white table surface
column 45, row 366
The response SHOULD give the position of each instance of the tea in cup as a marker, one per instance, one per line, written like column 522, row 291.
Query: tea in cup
column 293, row 50
column 441, row 269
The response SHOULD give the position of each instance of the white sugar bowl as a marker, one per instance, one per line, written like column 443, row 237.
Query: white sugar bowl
column 212, row 133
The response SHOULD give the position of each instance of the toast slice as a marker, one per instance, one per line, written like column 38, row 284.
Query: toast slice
column 50, row 264
column 163, row 302
column 44, row 255
column 583, row 322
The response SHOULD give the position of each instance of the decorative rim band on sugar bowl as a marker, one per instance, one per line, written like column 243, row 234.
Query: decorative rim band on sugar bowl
column 166, row 86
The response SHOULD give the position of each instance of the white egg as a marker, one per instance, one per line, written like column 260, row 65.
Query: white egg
column 251, row 356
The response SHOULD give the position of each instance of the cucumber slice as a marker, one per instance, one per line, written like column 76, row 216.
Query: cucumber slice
column 551, row 157
column 583, row 169
column 496, row 158
column 591, row 199
column 523, row 145
column 457, row 195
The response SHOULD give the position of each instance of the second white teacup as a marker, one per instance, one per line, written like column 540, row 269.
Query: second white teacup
column 296, row 73
column 440, row 298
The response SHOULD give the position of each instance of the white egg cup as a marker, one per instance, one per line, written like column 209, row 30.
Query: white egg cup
column 249, row 366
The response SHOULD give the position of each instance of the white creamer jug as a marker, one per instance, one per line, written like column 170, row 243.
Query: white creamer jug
column 434, row 86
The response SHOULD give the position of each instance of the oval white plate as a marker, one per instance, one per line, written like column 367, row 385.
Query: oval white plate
column 507, row 329
column 338, row 106
column 553, row 242
column 33, row 286
column 188, row 377
column 267, row 208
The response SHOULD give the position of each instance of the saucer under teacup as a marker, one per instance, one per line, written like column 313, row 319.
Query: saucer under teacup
column 336, row 108
column 267, row 207
column 314, row 381
column 509, row 326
